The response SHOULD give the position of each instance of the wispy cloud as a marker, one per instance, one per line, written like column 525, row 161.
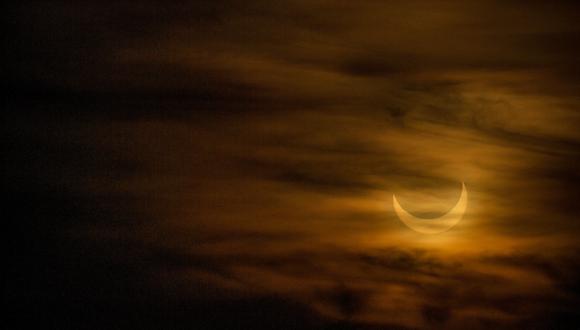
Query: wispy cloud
column 239, row 154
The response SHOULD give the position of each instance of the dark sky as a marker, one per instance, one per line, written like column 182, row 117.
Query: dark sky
column 231, row 164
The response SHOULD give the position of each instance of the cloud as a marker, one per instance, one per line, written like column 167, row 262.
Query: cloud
column 232, row 164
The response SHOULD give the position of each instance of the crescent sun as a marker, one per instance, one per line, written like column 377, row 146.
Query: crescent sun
column 434, row 225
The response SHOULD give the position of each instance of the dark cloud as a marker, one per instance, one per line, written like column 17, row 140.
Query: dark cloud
column 435, row 315
column 347, row 301
column 231, row 164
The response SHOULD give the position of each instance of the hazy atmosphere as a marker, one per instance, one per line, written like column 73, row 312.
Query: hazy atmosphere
column 232, row 164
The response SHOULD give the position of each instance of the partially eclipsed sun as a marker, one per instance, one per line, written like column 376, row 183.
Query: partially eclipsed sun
column 435, row 225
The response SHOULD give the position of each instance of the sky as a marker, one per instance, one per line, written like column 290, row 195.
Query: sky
column 232, row 164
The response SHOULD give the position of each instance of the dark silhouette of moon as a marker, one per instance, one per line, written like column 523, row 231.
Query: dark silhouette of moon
column 435, row 225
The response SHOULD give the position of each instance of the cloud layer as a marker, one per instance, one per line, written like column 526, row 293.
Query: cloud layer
column 232, row 164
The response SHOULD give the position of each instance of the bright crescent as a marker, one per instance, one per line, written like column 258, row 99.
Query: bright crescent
column 436, row 225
